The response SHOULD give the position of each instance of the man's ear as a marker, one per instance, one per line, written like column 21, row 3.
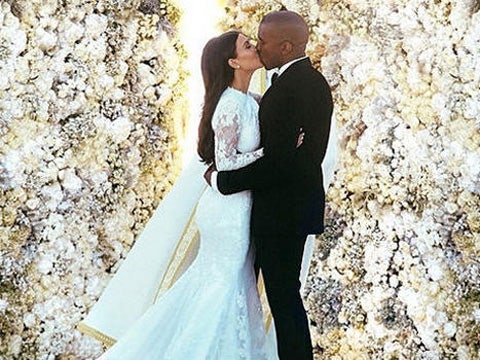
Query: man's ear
column 286, row 47
column 233, row 64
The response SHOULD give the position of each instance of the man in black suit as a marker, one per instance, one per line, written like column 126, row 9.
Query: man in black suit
column 287, row 183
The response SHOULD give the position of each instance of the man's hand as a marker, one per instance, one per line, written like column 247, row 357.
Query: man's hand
column 208, row 174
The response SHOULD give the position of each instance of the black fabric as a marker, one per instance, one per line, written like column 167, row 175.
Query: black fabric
column 287, row 183
column 274, row 77
column 280, row 259
column 288, row 194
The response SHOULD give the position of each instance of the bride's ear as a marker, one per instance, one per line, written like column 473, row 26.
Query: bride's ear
column 233, row 64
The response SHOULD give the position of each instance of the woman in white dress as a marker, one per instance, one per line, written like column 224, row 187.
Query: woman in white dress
column 213, row 311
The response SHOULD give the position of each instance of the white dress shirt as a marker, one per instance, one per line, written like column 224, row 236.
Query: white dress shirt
column 284, row 67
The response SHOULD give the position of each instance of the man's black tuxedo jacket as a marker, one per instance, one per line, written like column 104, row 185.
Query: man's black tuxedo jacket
column 287, row 183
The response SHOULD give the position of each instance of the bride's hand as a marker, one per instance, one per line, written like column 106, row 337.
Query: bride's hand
column 301, row 136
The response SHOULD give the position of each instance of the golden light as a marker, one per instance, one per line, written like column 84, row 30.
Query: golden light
column 199, row 23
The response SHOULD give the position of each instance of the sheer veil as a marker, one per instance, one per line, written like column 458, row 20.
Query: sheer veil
column 165, row 248
column 328, row 166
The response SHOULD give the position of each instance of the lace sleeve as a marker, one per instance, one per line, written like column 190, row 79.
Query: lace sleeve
column 227, row 132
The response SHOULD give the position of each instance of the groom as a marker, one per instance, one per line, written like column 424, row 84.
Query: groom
column 288, row 195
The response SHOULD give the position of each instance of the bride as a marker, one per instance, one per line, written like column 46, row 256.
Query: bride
column 213, row 310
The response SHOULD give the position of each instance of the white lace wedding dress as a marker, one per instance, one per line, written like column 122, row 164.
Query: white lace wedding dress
column 213, row 311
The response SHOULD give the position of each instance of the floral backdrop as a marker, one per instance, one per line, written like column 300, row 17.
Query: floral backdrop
column 397, row 274
column 91, row 115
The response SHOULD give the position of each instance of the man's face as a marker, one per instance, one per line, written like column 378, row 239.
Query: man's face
column 269, row 46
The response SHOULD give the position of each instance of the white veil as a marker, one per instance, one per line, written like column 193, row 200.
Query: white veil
column 328, row 166
column 164, row 249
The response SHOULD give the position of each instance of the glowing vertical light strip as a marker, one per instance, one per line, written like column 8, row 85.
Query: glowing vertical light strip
column 199, row 23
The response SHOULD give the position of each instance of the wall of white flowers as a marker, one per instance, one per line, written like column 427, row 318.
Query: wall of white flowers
column 91, row 114
column 396, row 276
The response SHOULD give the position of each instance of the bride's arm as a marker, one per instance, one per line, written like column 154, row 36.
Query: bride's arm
column 227, row 132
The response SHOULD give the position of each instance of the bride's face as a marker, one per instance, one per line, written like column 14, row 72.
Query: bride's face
column 247, row 55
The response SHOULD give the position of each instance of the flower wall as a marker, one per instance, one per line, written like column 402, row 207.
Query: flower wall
column 397, row 273
column 91, row 114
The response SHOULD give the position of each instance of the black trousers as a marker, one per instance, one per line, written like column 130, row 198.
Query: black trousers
column 280, row 259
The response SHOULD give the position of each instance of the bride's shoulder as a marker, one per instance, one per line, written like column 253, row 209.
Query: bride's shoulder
column 229, row 100
column 255, row 96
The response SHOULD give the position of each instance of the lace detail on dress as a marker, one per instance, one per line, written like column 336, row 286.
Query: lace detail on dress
column 231, row 121
column 213, row 310
column 242, row 325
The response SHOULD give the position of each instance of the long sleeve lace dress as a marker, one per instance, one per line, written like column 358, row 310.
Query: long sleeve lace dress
column 213, row 311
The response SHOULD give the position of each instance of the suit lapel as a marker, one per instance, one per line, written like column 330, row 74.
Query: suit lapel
column 301, row 64
column 279, row 86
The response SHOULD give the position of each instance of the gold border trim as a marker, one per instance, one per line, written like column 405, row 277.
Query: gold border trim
column 187, row 240
column 267, row 314
column 96, row 334
column 189, row 237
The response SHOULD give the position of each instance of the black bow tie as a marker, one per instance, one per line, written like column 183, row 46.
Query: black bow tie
column 274, row 77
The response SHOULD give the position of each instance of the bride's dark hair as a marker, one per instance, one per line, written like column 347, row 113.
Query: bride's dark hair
column 217, row 76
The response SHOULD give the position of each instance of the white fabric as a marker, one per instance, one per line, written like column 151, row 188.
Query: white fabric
column 213, row 311
column 132, row 290
column 284, row 67
column 329, row 165
column 213, row 180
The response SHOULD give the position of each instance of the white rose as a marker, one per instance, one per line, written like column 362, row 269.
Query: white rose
column 472, row 108
column 70, row 181
column 54, row 195
column 16, row 344
column 463, row 353
column 449, row 329
column 97, row 49
column 45, row 39
column 73, row 32
column 33, row 203
column 3, row 305
column 95, row 25
column 5, row 80
column 476, row 315
column 435, row 270
column 44, row 265
column 120, row 129
column 94, row 286
column 44, row 81
column 29, row 320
